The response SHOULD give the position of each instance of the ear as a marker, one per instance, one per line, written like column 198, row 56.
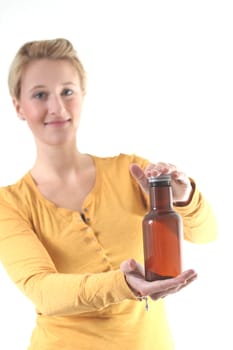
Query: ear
column 18, row 108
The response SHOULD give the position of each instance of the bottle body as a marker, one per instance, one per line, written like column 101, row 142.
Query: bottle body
column 162, row 235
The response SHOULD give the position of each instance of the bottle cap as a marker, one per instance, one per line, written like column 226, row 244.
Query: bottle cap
column 160, row 178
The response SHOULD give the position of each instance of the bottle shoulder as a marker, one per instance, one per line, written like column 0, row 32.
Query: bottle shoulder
column 163, row 214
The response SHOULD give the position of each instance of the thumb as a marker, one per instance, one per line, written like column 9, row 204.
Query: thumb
column 128, row 266
column 139, row 176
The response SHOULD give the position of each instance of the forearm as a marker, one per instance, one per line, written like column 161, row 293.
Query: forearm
column 58, row 294
column 30, row 267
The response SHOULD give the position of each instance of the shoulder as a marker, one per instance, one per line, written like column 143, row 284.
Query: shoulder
column 17, row 195
column 121, row 161
column 116, row 170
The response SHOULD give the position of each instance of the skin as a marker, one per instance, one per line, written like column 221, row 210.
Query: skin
column 51, row 102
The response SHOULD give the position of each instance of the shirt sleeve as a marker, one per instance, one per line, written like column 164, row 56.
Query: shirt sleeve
column 199, row 221
column 30, row 267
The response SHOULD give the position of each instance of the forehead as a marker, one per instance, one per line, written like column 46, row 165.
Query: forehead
column 43, row 71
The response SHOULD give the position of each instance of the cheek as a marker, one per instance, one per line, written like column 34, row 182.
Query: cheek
column 74, row 105
column 32, row 112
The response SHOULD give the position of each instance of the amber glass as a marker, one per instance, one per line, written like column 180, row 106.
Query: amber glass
column 162, row 232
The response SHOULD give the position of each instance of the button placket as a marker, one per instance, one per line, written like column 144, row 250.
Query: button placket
column 84, row 216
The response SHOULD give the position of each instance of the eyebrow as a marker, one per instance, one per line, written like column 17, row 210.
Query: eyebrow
column 44, row 86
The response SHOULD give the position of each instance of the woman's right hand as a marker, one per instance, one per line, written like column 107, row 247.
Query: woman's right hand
column 134, row 275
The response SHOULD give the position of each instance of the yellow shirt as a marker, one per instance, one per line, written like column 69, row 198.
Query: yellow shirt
column 70, row 268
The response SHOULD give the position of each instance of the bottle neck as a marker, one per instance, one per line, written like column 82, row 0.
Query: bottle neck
column 161, row 197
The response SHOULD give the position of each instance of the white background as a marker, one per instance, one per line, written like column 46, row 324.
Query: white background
column 160, row 81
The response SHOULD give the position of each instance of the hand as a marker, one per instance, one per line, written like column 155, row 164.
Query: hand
column 181, row 185
column 134, row 276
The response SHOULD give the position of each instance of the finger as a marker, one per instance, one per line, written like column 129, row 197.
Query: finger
column 139, row 175
column 183, row 285
column 192, row 279
column 180, row 177
column 157, row 296
column 159, row 168
column 128, row 265
column 132, row 267
column 173, row 290
column 161, row 286
column 186, row 275
column 167, row 168
column 163, row 294
column 140, row 268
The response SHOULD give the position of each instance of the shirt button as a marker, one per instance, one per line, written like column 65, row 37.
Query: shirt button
column 85, row 210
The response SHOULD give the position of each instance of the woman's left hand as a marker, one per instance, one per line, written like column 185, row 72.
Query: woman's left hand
column 181, row 185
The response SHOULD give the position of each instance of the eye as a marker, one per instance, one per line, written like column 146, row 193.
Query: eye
column 67, row 92
column 40, row 95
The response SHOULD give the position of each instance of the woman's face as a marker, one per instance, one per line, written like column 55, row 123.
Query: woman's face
column 50, row 100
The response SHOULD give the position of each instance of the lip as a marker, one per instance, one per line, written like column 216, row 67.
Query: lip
column 57, row 122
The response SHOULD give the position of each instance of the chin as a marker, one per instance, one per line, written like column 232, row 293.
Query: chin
column 57, row 141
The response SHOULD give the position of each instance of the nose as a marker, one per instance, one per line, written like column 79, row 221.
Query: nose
column 56, row 105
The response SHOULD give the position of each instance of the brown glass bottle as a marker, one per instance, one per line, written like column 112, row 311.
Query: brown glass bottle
column 162, row 232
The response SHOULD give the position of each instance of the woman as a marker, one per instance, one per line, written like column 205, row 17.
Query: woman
column 70, row 229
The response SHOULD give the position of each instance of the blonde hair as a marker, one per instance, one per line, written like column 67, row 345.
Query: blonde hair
column 55, row 49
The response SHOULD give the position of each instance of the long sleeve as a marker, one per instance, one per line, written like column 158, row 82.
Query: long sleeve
column 32, row 270
column 200, row 225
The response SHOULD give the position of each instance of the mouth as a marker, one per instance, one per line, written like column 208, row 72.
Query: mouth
column 57, row 122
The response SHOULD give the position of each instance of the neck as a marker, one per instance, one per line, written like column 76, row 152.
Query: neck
column 57, row 161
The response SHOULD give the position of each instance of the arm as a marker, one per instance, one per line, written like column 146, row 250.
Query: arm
column 32, row 270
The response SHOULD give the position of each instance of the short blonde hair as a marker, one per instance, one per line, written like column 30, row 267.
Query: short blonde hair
column 55, row 49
